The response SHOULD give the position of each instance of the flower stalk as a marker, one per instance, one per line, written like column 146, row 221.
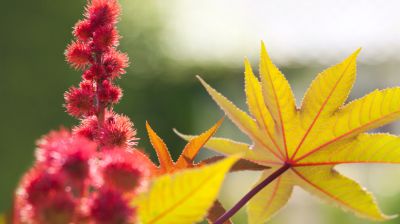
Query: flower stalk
column 228, row 214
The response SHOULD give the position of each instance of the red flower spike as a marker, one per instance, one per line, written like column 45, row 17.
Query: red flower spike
column 102, row 12
column 88, row 176
column 115, row 63
column 105, row 37
column 83, row 30
column 127, row 171
column 78, row 55
column 109, row 206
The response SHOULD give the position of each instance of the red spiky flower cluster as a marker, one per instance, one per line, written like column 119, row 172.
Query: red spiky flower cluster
column 89, row 175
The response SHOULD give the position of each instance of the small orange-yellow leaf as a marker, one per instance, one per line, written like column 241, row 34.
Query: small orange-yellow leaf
column 194, row 146
column 166, row 162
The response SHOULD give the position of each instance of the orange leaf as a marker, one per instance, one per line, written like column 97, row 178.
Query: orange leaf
column 193, row 147
column 166, row 163
column 185, row 160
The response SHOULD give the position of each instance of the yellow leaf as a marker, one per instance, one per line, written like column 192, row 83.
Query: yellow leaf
column 278, row 96
column 326, row 94
column 334, row 188
column 230, row 147
column 183, row 197
column 372, row 111
column 258, row 109
column 240, row 118
column 366, row 148
column 270, row 199
column 312, row 139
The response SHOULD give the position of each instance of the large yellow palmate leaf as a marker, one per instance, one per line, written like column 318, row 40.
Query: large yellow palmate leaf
column 183, row 197
column 312, row 139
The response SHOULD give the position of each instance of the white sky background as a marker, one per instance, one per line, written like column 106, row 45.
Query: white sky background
column 294, row 31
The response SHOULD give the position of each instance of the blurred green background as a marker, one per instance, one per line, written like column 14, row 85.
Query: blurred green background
column 169, row 42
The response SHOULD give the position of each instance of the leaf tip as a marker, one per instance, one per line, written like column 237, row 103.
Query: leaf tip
column 384, row 217
column 262, row 44
column 220, row 121
column 202, row 81
column 355, row 53
column 148, row 128
column 199, row 78
column 247, row 66
column 264, row 53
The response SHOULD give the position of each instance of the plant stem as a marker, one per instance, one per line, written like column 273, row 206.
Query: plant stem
column 100, row 107
column 100, row 113
column 251, row 194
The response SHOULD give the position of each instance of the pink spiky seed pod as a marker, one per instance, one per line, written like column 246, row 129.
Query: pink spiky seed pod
column 115, row 63
column 38, row 184
column 50, row 143
column 80, row 101
column 70, row 155
column 102, row 12
column 78, row 54
column 83, row 30
column 55, row 205
column 116, row 131
column 88, row 128
column 95, row 72
column 126, row 171
column 109, row 94
column 110, row 206
column 105, row 37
